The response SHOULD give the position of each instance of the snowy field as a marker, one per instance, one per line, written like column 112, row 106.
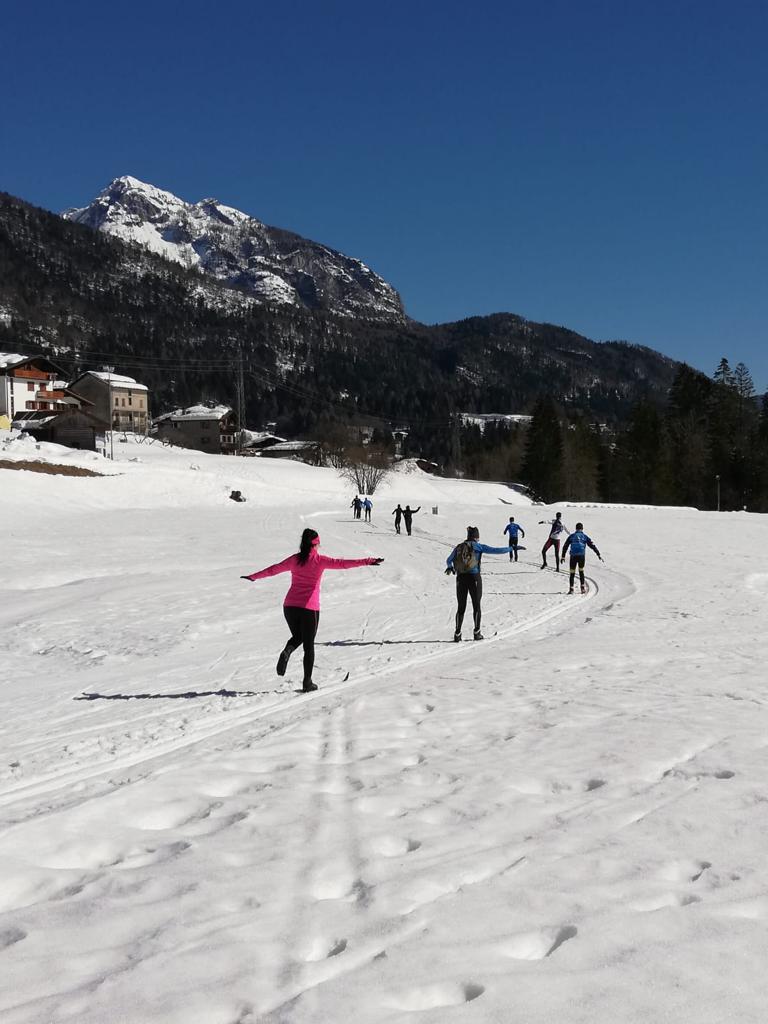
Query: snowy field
column 566, row 823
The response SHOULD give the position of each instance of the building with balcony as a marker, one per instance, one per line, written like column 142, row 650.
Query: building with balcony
column 116, row 399
column 33, row 387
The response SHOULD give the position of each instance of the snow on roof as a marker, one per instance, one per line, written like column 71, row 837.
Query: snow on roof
column 292, row 446
column 29, row 424
column 11, row 359
column 118, row 380
column 196, row 412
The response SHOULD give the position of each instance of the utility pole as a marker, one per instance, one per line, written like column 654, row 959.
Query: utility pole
column 110, row 370
column 240, row 400
column 457, row 443
column 717, row 479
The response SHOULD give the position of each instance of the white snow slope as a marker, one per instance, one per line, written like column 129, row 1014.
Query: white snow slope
column 565, row 823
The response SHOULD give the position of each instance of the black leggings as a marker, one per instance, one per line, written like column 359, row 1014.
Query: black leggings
column 303, row 623
column 552, row 542
column 577, row 561
column 468, row 583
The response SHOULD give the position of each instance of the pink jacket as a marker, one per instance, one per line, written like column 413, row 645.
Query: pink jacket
column 305, row 579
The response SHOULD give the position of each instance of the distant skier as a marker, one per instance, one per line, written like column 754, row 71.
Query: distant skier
column 356, row 506
column 556, row 529
column 513, row 528
column 408, row 514
column 397, row 513
column 367, row 506
column 302, row 602
column 578, row 542
column 464, row 561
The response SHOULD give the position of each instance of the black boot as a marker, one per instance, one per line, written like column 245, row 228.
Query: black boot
column 282, row 661
column 308, row 686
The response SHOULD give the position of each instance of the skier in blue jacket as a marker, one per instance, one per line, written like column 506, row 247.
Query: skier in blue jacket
column 464, row 561
column 513, row 529
column 578, row 542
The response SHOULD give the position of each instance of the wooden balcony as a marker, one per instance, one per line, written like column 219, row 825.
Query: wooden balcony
column 31, row 374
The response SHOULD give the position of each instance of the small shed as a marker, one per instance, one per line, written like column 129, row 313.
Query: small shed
column 73, row 428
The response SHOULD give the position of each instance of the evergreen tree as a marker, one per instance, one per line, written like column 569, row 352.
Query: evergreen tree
column 542, row 466
column 581, row 459
column 723, row 373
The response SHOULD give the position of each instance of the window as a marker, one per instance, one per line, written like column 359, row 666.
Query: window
column 29, row 405
column 123, row 403
column 117, row 400
column 30, row 387
column 141, row 403
column 130, row 396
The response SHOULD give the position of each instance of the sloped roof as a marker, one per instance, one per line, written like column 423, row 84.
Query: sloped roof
column 117, row 380
column 195, row 412
column 8, row 359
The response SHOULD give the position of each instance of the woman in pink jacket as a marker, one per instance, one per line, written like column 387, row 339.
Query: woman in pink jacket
column 302, row 602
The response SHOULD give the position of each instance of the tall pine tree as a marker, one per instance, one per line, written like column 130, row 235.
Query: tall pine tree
column 543, row 461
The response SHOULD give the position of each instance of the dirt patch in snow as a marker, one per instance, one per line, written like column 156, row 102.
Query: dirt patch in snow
column 47, row 467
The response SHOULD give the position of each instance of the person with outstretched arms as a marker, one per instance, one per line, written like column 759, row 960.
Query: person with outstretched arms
column 408, row 514
column 513, row 529
column 556, row 530
column 302, row 602
column 465, row 561
column 578, row 543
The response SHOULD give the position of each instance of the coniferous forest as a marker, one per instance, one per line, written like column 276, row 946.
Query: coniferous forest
column 611, row 421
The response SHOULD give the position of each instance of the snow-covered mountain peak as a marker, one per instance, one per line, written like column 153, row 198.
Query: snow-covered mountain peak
column 269, row 264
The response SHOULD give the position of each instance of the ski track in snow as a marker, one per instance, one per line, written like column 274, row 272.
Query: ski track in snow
column 563, row 822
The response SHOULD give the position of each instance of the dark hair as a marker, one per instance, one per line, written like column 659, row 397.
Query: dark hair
column 579, row 526
column 306, row 545
column 511, row 519
column 473, row 533
column 558, row 514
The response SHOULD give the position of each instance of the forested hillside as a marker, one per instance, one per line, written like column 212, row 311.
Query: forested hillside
column 89, row 299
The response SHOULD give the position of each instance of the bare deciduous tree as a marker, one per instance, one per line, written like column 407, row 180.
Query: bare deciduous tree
column 366, row 468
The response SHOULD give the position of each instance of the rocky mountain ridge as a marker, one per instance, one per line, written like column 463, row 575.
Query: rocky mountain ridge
column 265, row 264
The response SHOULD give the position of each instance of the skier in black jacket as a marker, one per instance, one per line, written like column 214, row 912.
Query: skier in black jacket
column 397, row 513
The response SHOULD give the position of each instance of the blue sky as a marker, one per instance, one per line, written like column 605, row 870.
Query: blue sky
column 595, row 164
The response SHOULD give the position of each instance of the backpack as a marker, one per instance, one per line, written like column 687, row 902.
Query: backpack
column 466, row 559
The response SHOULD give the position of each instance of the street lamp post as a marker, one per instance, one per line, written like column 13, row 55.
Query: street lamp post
column 717, row 480
column 110, row 370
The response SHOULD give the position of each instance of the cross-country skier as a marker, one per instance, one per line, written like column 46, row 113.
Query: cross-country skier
column 302, row 602
column 513, row 528
column 556, row 528
column 408, row 513
column 578, row 542
column 356, row 506
column 367, row 506
column 397, row 513
column 464, row 561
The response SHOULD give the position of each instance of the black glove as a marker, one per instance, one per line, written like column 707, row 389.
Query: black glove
column 377, row 561
column 246, row 578
column 450, row 571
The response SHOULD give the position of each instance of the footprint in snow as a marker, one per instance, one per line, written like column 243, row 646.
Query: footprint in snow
column 537, row 945
column 432, row 997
